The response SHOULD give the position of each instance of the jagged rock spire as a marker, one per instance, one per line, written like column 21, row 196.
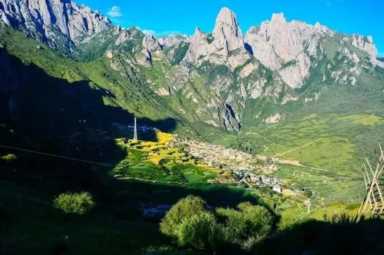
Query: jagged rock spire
column 278, row 18
column 227, row 30
column 226, row 38
column 278, row 42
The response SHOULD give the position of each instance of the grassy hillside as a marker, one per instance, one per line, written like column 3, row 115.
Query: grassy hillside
column 121, row 92
column 329, row 136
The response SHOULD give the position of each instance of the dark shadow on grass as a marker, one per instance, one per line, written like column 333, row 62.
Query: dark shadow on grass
column 47, row 114
column 316, row 237
column 216, row 195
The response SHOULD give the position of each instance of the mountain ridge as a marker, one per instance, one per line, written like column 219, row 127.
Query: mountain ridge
column 217, row 74
column 52, row 20
column 283, row 88
column 79, row 21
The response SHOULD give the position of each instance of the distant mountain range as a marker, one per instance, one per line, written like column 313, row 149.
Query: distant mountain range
column 233, row 70
column 224, row 86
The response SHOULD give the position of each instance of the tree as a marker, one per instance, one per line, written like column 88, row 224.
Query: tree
column 74, row 203
column 8, row 158
column 201, row 232
column 192, row 225
column 247, row 225
column 183, row 210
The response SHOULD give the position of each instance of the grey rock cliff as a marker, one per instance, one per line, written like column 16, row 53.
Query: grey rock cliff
column 53, row 20
column 286, row 47
column 224, row 47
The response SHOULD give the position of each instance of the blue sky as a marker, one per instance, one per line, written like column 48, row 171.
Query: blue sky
column 364, row 17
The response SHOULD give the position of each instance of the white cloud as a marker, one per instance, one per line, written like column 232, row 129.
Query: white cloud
column 115, row 12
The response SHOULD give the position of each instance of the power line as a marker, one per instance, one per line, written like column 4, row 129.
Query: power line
column 45, row 154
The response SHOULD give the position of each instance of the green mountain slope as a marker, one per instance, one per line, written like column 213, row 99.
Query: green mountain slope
column 329, row 124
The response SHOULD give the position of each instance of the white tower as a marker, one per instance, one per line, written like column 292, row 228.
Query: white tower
column 135, row 130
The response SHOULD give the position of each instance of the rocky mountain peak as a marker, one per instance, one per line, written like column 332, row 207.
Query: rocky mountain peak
column 53, row 21
column 198, row 33
column 278, row 19
column 226, row 16
column 227, row 30
column 150, row 43
column 150, row 46
column 286, row 47
column 218, row 48
column 226, row 19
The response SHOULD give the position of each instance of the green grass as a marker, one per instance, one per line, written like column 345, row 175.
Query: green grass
column 331, row 148
column 115, row 225
column 137, row 166
column 43, row 227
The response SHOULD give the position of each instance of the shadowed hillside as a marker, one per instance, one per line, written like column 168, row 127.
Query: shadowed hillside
column 45, row 114
column 339, row 237
column 49, row 115
column 36, row 104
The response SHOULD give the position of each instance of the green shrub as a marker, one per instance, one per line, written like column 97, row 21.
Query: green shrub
column 9, row 157
column 74, row 203
column 201, row 232
column 183, row 210
column 192, row 225
column 247, row 225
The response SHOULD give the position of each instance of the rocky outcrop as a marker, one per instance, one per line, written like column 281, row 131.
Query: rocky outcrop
column 227, row 35
column 53, row 21
column 230, row 120
column 225, row 46
column 273, row 119
column 286, row 47
column 175, row 47
column 365, row 43
column 150, row 46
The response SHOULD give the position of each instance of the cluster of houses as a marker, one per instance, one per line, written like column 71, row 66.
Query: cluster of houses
column 254, row 180
column 232, row 160
column 218, row 156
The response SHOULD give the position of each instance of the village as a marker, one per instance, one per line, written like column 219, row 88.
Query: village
column 244, row 168
column 237, row 167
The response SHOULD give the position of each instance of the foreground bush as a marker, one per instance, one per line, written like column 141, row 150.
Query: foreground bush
column 9, row 158
column 183, row 210
column 200, row 232
column 247, row 225
column 74, row 203
column 192, row 225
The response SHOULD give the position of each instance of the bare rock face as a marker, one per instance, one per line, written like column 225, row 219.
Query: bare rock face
column 174, row 47
column 273, row 119
column 52, row 20
column 150, row 46
column 199, row 47
column 286, row 47
column 172, row 40
column 225, row 45
column 126, row 35
column 229, row 118
column 150, row 43
column 365, row 43
column 227, row 34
